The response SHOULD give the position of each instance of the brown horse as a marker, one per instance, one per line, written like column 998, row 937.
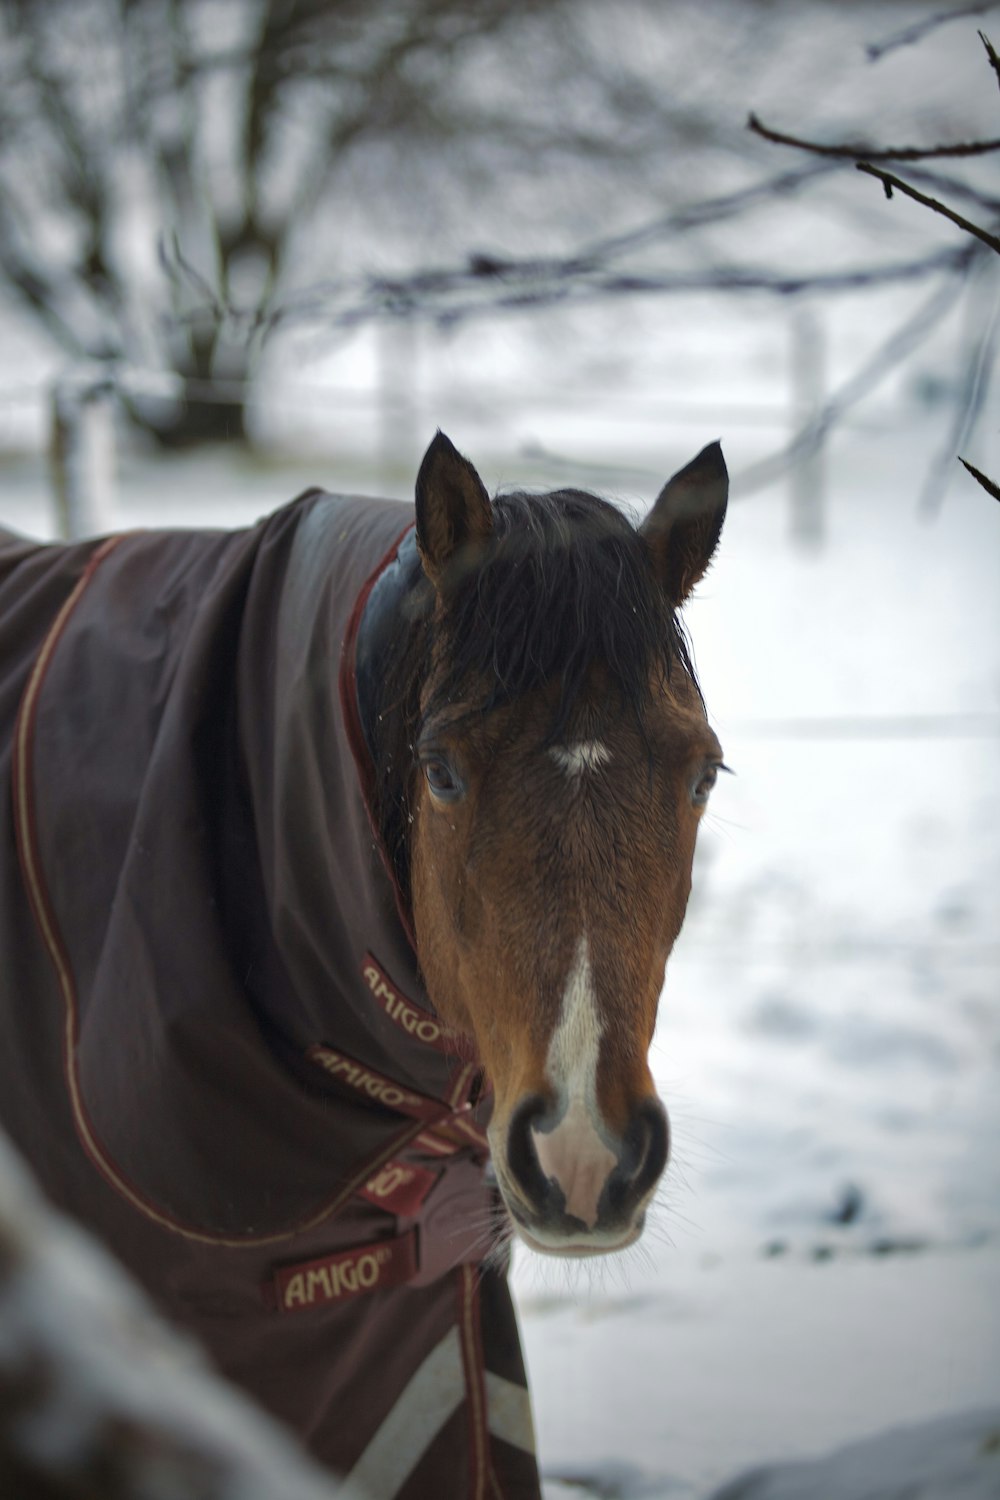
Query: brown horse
column 283, row 967
column 561, row 760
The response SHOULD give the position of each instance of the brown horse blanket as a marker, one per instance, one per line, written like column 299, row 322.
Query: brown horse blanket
column 217, row 1050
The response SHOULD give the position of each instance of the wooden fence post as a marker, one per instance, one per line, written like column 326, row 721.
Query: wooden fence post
column 83, row 451
column 807, row 477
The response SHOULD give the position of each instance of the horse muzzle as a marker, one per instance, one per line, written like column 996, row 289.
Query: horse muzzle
column 573, row 1188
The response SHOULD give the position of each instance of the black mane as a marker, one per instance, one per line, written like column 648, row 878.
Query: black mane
column 565, row 585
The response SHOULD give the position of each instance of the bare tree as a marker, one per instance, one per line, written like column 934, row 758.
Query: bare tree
column 171, row 170
column 181, row 179
column 954, row 186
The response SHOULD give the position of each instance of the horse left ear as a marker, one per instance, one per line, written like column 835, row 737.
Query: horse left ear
column 454, row 517
column 682, row 530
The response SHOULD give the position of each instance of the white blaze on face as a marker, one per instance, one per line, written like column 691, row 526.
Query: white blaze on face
column 584, row 755
column 574, row 1153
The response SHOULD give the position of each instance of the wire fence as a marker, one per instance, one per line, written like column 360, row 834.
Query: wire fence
column 943, row 726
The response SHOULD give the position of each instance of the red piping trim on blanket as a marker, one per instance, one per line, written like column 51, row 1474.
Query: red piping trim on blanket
column 31, row 867
column 472, row 1132
column 472, row 1357
column 347, row 681
column 461, row 1084
column 429, row 1140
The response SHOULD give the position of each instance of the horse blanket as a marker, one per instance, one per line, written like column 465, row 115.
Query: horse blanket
column 217, row 1049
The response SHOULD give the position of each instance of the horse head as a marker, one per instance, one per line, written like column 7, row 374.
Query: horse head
column 558, row 763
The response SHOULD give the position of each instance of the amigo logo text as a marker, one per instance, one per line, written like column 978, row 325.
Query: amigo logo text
column 347, row 1274
column 406, row 1015
column 375, row 1086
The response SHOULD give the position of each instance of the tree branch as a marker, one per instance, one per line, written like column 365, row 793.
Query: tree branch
column 920, row 29
column 449, row 296
column 990, row 53
column 853, row 150
column 970, row 396
column 987, row 484
column 954, row 187
column 889, row 182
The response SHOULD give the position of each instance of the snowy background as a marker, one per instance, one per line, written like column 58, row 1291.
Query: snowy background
column 824, row 1258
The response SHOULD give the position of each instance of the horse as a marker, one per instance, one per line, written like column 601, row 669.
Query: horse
column 345, row 854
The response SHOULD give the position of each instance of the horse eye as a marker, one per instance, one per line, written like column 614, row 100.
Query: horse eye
column 704, row 785
column 441, row 779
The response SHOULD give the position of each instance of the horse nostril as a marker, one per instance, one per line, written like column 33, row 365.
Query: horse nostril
column 522, row 1158
column 645, row 1148
column 652, row 1132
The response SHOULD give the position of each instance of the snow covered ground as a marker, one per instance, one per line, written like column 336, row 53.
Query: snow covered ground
column 825, row 1257
column 824, row 1260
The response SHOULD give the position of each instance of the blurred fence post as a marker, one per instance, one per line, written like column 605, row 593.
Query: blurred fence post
column 82, row 451
column 807, row 478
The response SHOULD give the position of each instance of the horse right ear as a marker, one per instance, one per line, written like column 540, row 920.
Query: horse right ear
column 454, row 518
column 682, row 530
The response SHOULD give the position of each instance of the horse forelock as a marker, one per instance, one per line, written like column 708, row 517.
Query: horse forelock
column 564, row 587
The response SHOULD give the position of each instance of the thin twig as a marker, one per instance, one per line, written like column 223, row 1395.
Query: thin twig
column 851, row 150
column 450, row 296
column 954, row 189
column 970, row 398
column 889, row 182
column 991, row 54
column 987, row 484
column 703, row 211
column 177, row 267
column 920, row 29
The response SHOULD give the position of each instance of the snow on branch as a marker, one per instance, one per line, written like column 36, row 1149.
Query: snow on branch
column 99, row 1397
